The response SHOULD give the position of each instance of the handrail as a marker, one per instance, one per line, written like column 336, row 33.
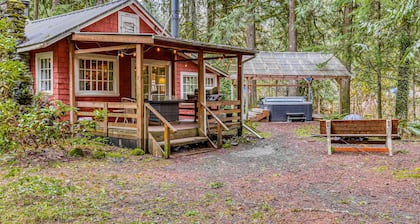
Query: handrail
column 160, row 116
column 215, row 117
column 167, row 128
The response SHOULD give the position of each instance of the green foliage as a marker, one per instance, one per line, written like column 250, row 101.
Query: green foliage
column 38, row 199
column 76, row 152
column 215, row 185
column 192, row 213
column 100, row 114
column 403, row 174
column 227, row 145
column 41, row 125
column 98, row 154
column 137, row 152
column 306, row 130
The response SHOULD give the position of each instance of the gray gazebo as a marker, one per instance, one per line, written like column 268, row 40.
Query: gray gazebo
column 298, row 66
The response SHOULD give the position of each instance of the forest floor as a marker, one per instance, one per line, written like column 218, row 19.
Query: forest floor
column 288, row 178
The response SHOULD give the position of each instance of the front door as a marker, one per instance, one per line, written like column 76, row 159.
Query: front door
column 157, row 82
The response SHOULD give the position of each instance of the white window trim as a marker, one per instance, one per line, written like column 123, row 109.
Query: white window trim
column 116, row 91
column 122, row 15
column 208, row 75
column 39, row 56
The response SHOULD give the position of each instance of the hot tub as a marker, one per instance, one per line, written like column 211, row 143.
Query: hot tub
column 279, row 107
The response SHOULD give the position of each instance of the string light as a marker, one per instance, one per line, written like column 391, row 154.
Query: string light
column 158, row 49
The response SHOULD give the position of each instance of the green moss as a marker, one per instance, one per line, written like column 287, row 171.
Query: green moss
column 381, row 168
column 98, row 154
column 137, row 152
column 76, row 152
column 404, row 174
column 215, row 185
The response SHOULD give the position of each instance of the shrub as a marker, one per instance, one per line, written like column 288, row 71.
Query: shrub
column 137, row 152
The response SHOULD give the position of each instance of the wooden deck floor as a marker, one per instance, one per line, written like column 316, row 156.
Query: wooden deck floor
column 181, row 125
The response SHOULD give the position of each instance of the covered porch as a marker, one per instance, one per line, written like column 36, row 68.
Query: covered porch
column 131, row 119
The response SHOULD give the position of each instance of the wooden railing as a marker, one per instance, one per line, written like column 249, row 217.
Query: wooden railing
column 227, row 111
column 220, row 124
column 109, row 115
column 167, row 128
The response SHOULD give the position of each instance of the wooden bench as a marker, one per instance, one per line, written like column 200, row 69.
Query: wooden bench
column 360, row 129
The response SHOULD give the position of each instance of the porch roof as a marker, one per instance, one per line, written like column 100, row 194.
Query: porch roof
column 294, row 65
column 185, row 46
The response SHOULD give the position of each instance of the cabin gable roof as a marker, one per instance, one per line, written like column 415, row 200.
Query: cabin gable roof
column 44, row 32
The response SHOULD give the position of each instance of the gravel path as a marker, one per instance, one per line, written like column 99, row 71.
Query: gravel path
column 283, row 179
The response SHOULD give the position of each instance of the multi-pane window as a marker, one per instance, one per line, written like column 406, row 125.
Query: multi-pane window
column 44, row 72
column 190, row 83
column 97, row 76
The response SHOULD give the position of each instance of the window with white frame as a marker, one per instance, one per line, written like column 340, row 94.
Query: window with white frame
column 44, row 72
column 128, row 22
column 189, row 83
column 96, row 75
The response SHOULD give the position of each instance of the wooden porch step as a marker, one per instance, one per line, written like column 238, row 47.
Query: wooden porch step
column 185, row 141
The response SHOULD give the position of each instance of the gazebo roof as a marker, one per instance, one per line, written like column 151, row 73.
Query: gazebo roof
column 294, row 65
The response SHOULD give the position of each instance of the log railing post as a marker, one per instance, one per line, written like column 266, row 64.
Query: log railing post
column 166, row 138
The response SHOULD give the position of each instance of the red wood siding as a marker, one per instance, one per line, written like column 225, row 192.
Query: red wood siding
column 107, row 24
column 187, row 67
column 60, row 70
column 110, row 24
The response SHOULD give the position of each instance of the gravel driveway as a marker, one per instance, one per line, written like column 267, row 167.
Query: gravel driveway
column 286, row 179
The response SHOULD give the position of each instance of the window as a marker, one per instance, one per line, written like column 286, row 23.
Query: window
column 44, row 72
column 189, row 83
column 96, row 75
column 156, row 79
column 128, row 23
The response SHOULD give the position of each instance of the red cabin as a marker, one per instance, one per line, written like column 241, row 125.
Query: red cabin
column 88, row 59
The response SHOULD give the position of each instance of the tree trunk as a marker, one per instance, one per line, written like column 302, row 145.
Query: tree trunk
column 211, row 10
column 55, row 3
column 193, row 21
column 379, row 65
column 414, row 96
column 36, row 9
column 401, row 106
column 292, row 42
column 250, row 43
column 345, row 83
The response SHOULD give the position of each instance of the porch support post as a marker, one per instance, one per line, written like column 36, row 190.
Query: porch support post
column 72, row 98
column 201, row 91
column 240, row 80
column 140, row 97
